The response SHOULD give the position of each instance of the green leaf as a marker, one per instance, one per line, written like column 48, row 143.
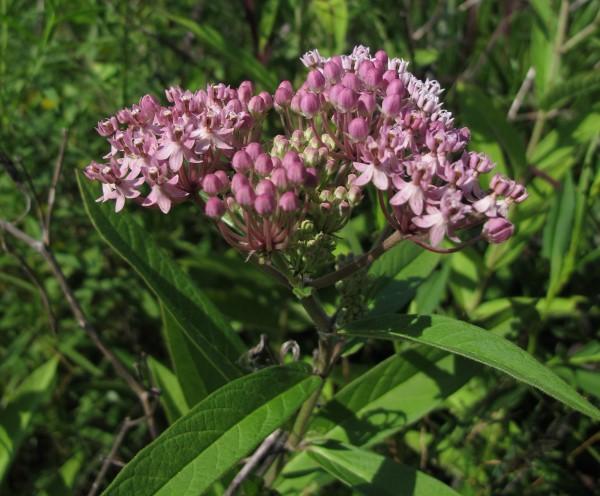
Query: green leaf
column 242, row 58
column 480, row 114
column 557, row 233
column 211, row 337
column 543, row 31
column 390, row 396
column 373, row 474
column 218, row 432
column 466, row 276
column 398, row 275
column 474, row 343
column 171, row 395
column 15, row 417
column 191, row 369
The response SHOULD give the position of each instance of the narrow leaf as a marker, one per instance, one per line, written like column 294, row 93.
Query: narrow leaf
column 171, row 395
column 373, row 474
column 474, row 343
column 218, row 432
column 203, row 324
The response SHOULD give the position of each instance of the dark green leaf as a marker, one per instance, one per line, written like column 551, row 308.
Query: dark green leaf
column 205, row 327
column 218, row 432
column 474, row 343
column 375, row 475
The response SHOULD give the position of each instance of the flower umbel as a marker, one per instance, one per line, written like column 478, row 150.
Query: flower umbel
column 357, row 120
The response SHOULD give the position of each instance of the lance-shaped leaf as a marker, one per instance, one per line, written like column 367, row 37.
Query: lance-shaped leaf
column 392, row 395
column 171, row 394
column 213, row 340
column 474, row 343
column 218, row 432
column 372, row 474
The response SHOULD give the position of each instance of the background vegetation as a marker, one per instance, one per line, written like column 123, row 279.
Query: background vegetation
column 523, row 75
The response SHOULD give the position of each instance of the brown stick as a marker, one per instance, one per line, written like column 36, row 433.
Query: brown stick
column 52, row 191
column 109, row 460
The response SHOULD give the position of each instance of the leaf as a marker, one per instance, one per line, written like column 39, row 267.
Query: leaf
column 398, row 274
column 241, row 58
column 475, row 343
column 190, row 368
column 465, row 278
column 557, row 233
column 480, row 114
column 392, row 395
column 205, row 327
column 543, row 31
column 333, row 17
column 171, row 395
column 373, row 474
column 218, row 432
column 15, row 417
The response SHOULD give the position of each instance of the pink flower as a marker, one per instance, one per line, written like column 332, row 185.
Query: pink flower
column 164, row 190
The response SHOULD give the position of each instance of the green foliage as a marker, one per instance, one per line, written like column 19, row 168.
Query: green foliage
column 474, row 343
column 206, row 442
column 197, row 307
column 371, row 474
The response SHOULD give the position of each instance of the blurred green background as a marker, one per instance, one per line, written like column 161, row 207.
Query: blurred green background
column 64, row 65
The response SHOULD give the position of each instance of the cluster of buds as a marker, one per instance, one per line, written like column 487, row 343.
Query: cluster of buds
column 357, row 120
column 392, row 128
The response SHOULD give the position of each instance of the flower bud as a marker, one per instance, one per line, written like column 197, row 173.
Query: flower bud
column 351, row 81
column 519, row 193
column 211, row 184
column 214, row 208
column 223, row 179
column 391, row 105
column 296, row 173
column 289, row 202
column 253, row 150
column 263, row 164
column 290, row 158
column 265, row 187
column 245, row 91
column 295, row 103
column 279, row 178
column 245, row 196
column 315, row 81
column 280, row 145
column 311, row 156
column 395, row 87
column 241, row 161
column 346, row 100
column 267, row 98
column 283, row 95
column 497, row 230
column 332, row 71
column 358, row 129
column 340, row 193
column 309, row 105
column 238, row 181
column 381, row 57
column 256, row 106
column 264, row 204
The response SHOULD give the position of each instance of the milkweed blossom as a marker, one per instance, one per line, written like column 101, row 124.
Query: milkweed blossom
column 357, row 121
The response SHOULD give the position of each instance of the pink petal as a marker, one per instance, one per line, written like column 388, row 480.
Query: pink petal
column 165, row 152
column 365, row 177
column 120, row 203
column 176, row 160
column 380, row 179
column 416, row 201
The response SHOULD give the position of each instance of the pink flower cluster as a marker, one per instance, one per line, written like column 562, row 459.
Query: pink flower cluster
column 356, row 120
column 171, row 149
column 392, row 127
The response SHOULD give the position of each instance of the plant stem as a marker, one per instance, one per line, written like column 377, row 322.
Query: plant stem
column 361, row 262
